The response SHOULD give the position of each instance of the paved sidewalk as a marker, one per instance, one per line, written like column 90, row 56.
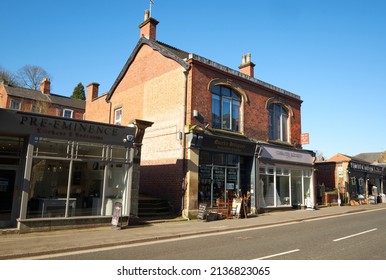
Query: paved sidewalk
column 19, row 246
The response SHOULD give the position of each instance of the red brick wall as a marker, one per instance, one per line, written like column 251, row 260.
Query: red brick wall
column 153, row 89
column 255, row 113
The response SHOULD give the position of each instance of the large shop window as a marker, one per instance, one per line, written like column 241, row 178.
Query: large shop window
column 284, row 186
column 220, row 177
column 76, row 179
column 225, row 108
column 278, row 123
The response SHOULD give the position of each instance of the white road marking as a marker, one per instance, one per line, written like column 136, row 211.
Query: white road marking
column 279, row 254
column 353, row 235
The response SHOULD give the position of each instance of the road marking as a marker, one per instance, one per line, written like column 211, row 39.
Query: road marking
column 279, row 254
column 353, row 235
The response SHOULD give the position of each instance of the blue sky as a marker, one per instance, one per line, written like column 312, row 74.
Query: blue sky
column 330, row 52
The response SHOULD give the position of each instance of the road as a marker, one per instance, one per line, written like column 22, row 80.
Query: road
column 359, row 236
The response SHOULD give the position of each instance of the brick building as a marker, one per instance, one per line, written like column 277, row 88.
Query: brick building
column 216, row 131
column 40, row 101
column 353, row 178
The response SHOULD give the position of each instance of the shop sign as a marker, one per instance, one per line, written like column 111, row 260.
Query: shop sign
column 286, row 155
column 305, row 138
column 22, row 123
column 224, row 145
column 365, row 167
column 340, row 172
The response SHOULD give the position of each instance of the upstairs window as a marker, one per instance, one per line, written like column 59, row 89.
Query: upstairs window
column 278, row 122
column 118, row 116
column 68, row 113
column 225, row 108
column 15, row 105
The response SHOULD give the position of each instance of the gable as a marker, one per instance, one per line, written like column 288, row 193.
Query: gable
column 149, row 46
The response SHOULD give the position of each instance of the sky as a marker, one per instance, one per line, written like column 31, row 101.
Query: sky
column 332, row 53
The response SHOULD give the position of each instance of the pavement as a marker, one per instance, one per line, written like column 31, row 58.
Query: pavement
column 23, row 246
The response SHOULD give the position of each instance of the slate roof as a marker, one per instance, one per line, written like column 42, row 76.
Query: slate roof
column 27, row 93
column 370, row 157
column 182, row 57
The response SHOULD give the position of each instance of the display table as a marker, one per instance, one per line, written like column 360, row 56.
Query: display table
column 56, row 206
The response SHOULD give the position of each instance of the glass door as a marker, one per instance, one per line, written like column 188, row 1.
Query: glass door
column 218, row 185
column 7, row 186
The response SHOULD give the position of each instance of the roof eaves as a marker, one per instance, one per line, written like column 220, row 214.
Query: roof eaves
column 241, row 75
column 164, row 49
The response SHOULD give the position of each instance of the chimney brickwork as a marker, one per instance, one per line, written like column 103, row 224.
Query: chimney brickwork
column 148, row 27
column 247, row 66
column 45, row 86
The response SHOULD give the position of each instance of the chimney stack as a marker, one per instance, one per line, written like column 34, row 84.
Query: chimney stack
column 45, row 86
column 148, row 26
column 92, row 91
column 247, row 66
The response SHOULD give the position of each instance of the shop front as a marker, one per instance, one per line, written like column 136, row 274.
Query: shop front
column 224, row 168
column 285, row 178
column 58, row 171
column 365, row 182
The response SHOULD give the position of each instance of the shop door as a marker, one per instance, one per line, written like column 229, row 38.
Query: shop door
column 7, row 186
column 218, row 185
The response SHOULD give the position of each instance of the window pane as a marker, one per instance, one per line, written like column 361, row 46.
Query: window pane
column 226, row 114
column 89, row 150
column 225, row 91
column 235, row 115
column 67, row 113
column 233, row 160
column 219, row 159
column 205, row 157
column 48, row 189
column 118, row 116
column 216, row 89
column 216, row 119
column 51, row 147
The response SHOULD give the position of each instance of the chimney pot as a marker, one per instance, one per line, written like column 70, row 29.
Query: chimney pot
column 147, row 15
column 148, row 27
column 247, row 66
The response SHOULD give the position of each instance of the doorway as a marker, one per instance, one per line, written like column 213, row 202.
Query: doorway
column 7, row 188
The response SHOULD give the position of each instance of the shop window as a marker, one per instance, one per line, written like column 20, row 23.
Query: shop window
column 77, row 179
column 120, row 153
column 225, row 108
column 278, row 122
column 48, row 190
column 219, row 159
column 205, row 157
column 219, row 177
column 51, row 147
column 90, row 151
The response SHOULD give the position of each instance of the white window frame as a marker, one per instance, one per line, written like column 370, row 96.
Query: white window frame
column 70, row 111
column 118, row 116
column 15, row 105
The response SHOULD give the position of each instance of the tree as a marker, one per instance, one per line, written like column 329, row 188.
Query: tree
column 8, row 77
column 78, row 92
column 31, row 76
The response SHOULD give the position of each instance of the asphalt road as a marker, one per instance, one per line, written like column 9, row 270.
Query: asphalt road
column 359, row 236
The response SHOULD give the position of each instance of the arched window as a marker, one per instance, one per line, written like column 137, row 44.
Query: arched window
column 225, row 108
column 278, row 122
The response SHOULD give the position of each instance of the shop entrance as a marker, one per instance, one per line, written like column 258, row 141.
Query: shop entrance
column 7, row 187
column 219, row 177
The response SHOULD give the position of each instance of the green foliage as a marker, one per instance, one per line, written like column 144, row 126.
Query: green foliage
column 79, row 92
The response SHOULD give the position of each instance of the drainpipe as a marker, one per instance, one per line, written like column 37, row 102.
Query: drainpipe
column 182, row 134
column 110, row 106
